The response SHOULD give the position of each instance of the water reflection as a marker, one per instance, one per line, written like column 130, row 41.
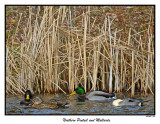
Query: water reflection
column 78, row 107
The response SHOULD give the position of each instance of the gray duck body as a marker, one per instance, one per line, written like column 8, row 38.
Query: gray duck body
column 97, row 96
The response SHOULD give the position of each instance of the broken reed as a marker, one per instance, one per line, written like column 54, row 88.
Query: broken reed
column 60, row 52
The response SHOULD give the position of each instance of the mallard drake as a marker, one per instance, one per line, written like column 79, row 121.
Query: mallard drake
column 37, row 102
column 27, row 98
column 94, row 95
column 129, row 102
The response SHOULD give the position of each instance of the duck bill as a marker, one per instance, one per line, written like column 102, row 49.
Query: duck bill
column 27, row 97
column 73, row 93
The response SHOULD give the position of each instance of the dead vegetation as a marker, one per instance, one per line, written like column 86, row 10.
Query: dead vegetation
column 62, row 46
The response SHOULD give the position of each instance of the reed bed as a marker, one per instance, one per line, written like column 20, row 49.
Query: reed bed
column 62, row 47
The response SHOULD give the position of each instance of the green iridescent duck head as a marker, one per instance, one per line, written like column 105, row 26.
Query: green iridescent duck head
column 79, row 90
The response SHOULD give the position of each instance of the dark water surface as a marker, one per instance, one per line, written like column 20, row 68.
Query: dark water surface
column 80, row 108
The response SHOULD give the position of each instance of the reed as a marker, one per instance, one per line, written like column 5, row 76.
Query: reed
column 84, row 52
column 133, row 85
column 64, row 46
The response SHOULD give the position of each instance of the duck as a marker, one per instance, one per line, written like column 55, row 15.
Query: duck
column 129, row 102
column 37, row 102
column 27, row 98
column 93, row 95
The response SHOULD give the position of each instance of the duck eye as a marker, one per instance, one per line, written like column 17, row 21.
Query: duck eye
column 76, row 89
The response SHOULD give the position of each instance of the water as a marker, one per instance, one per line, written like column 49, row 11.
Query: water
column 79, row 108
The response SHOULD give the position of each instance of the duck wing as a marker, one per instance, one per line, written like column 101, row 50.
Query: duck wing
column 37, row 100
column 100, row 95
column 133, row 101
